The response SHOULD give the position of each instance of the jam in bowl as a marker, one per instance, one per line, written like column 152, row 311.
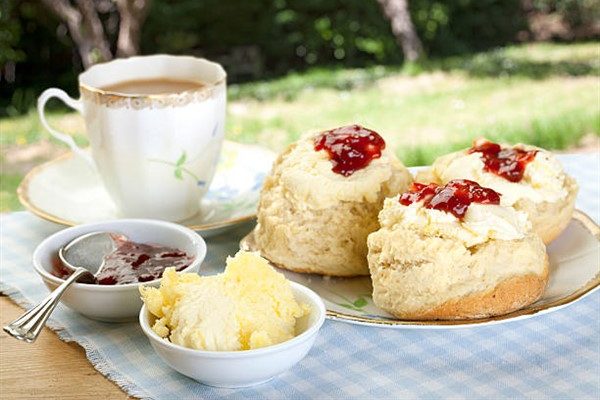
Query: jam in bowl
column 120, row 301
column 132, row 262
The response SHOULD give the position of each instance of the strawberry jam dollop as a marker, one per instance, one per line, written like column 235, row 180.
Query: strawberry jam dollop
column 508, row 163
column 350, row 148
column 454, row 197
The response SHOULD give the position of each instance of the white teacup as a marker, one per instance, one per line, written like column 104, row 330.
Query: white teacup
column 155, row 153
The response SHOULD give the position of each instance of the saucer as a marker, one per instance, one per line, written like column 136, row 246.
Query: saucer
column 574, row 273
column 68, row 192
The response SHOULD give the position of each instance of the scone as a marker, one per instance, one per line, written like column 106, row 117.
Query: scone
column 530, row 179
column 453, row 252
column 322, row 198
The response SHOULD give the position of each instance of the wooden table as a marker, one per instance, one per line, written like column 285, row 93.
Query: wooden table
column 48, row 368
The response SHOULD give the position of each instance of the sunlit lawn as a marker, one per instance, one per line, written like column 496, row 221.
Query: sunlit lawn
column 542, row 94
column 423, row 116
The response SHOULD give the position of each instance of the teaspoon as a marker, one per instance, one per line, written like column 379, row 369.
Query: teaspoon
column 84, row 257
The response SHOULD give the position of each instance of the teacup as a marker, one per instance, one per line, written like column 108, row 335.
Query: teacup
column 155, row 152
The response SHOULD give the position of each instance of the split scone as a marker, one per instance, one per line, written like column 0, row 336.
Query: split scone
column 530, row 179
column 453, row 252
column 322, row 198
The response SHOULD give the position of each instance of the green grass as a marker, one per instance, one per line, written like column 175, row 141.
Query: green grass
column 543, row 94
column 27, row 129
column 8, row 198
column 534, row 61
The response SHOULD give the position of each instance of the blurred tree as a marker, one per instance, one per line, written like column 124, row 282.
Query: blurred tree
column 464, row 26
column 561, row 19
column 265, row 38
column 85, row 23
column 278, row 36
column 10, row 32
column 10, row 54
column 132, row 14
column 403, row 28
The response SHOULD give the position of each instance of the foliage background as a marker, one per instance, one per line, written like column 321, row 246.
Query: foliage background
column 512, row 70
column 282, row 35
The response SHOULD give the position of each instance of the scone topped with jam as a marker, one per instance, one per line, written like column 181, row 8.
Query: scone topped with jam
column 454, row 252
column 322, row 198
column 530, row 179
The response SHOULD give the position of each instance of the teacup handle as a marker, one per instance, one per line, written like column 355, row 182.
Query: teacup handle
column 63, row 137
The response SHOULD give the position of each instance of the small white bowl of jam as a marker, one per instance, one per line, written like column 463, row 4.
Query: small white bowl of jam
column 149, row 248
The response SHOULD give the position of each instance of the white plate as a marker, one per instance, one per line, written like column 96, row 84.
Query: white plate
column 67, row 191
column 574, row 273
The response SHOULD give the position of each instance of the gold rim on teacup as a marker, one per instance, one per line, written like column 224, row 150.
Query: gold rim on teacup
column 139, row 101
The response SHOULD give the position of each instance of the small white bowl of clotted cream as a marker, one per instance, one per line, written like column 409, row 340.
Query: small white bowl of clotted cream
column 226, row 332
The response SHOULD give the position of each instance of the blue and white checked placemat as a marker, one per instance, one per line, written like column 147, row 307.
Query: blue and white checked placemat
column 551, row 356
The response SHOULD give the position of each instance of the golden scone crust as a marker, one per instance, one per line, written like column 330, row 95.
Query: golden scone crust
column 304, row 228
column 509, row 295
column 419, row 277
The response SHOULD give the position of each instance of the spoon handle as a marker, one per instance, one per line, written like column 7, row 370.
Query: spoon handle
column 29, row 325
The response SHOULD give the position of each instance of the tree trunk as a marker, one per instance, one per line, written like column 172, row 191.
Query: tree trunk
column 85, row 28
column 94, row 28
column 403, row 28
column 132, row 14
column 82, row 17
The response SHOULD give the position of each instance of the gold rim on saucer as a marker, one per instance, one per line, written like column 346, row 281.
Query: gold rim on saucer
column 23, row 196
column 248, row 243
